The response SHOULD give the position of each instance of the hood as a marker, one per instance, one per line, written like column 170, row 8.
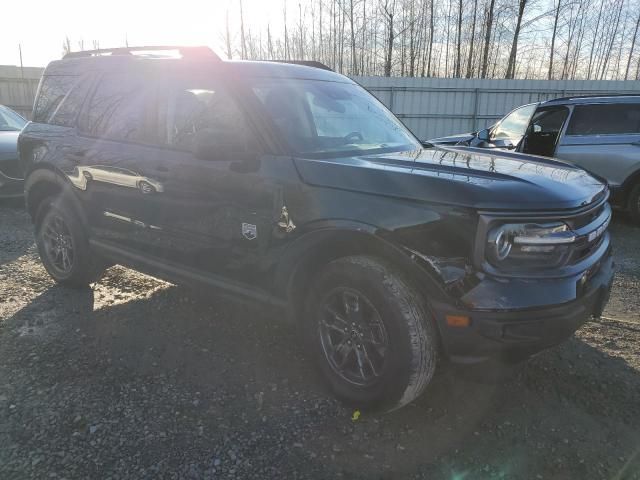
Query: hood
column 8, row 142
column 452, row 139
column 461, row 176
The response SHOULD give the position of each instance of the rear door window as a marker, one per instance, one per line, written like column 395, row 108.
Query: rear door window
column 123, row 108
column 605, row 119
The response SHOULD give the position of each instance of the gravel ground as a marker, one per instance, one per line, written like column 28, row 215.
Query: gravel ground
column 137, row 378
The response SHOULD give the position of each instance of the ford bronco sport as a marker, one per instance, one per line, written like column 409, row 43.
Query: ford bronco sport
column 291, row 185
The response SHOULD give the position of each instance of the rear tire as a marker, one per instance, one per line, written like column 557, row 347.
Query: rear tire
column 370, row 333
column 634, row 204
column 63, row 245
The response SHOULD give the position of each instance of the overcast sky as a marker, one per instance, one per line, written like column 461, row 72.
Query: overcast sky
column 41, row 26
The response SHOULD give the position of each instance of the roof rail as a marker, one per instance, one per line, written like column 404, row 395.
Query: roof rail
column 593, row 95
column 306, row 63
column 184, row 51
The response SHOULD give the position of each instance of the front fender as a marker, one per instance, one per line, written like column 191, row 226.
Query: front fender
column 331, row 239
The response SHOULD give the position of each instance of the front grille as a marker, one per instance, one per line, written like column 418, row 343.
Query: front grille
column 590, row 227
column 583, row 219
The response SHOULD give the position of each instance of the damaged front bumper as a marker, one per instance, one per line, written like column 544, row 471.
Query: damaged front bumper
column 512, row 319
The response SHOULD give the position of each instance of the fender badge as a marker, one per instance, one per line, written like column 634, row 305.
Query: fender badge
column 249, row 231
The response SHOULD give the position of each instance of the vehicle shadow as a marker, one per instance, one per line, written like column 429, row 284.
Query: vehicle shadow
column 545, row 419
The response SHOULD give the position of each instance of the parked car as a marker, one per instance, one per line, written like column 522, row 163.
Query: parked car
column 599, row 133
column 10, row 175
column 292, row 186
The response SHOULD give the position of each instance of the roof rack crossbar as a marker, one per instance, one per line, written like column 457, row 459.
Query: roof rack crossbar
column 184, row 51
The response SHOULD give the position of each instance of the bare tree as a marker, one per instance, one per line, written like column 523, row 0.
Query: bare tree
column 354, row 61
column 633, row 44
column 553, row 38
column 470, row 38
column 595, row 37
column 228, row 37
column 487, row 37
column 459, row 46
column 614, row 32
column 472, row 41
column 431, row 22
column 66, row 46
column 242, row 36
column 511, row 67
column 388, row 10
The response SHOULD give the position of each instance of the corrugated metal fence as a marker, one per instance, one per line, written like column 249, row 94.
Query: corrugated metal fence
column 435, row 107
column 430, row 107
column 18, row 88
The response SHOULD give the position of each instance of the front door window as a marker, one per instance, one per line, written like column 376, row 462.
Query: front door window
column 512, row 128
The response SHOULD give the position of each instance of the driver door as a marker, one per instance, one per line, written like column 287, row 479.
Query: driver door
column 216, row 210
column 510, row 130
column 544, row 131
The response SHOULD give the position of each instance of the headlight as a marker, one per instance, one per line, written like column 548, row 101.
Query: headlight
column 538, row 246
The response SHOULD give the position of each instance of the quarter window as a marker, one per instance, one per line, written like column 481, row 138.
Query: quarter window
column 67, row 110
column 52, row 90
column 605, row 119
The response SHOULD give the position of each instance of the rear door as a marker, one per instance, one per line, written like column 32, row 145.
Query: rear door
column 604, row 139
column 117, row 141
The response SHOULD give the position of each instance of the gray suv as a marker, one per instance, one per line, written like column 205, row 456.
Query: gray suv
column 600, row 134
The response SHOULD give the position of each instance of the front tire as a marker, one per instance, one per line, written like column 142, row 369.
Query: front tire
column 371, row 334
column 63, row 245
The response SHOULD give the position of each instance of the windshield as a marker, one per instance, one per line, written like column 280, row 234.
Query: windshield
column 330, row 118
column 10, row 120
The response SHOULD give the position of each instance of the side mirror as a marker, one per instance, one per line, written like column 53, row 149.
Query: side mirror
column 484, row 135
column 537, row 128
column 210, row 144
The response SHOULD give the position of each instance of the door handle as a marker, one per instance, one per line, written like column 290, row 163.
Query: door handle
column 636, row 144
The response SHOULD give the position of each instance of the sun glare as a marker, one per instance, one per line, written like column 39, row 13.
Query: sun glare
column 118, row 22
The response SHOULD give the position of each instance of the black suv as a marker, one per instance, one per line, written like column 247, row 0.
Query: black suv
column 291, row 185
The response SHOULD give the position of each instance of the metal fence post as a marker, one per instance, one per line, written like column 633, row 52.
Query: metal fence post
column 391, row 100
column 474, row 118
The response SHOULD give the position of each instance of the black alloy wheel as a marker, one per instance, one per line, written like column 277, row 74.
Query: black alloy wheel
column 353, row 336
